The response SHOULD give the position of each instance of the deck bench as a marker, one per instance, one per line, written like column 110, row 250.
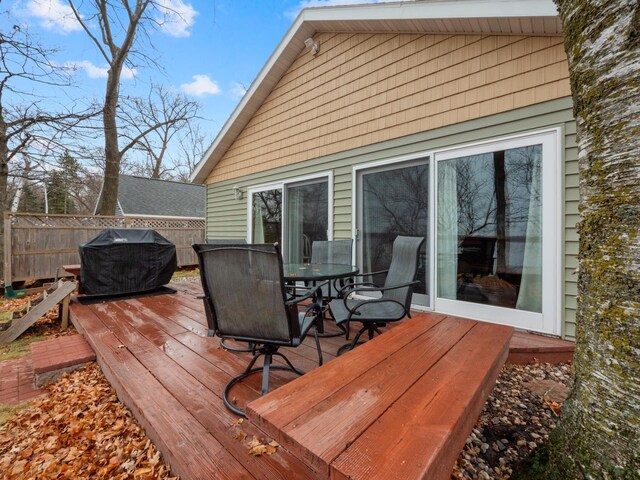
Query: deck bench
column 399, row 406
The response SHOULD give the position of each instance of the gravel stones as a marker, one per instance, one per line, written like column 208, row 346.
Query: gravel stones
column 519, row 415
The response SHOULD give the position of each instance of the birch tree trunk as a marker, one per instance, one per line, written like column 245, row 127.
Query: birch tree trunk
column 599, row 433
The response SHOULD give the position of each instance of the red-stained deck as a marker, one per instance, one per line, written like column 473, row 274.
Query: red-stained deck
column 155, row 352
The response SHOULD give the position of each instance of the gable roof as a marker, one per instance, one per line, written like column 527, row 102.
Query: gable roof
column 498, row 17
column 153, row 197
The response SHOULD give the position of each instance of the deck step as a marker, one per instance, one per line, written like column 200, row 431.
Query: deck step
column 526, row 348
column 399, row 406
column 51, row 358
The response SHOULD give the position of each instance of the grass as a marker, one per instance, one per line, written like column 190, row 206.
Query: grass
column 6, row 411
column 18, row 348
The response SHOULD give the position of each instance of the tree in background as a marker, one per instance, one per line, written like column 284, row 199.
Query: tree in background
column 26, row 126
column 149, row 124
column 192, row 145
column 120, row 25
column 61, row 184
column 598, row 435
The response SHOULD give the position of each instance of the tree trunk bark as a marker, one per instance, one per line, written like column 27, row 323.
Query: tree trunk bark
column 4, row 180
column 109, row 197
column 599, row 433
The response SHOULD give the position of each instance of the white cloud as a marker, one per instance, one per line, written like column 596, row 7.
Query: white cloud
column 93, row 71
column 202, row 85
column 54, row 15
column 175, row 17
column 293, row 13
column 237, row 90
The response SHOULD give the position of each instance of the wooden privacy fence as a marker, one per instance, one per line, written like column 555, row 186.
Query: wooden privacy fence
column 36, row 245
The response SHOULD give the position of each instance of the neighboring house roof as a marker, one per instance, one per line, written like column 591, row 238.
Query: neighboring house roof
column 152, row 197
column 506, row 17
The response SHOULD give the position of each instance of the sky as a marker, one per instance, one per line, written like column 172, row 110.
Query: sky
column 211, row 52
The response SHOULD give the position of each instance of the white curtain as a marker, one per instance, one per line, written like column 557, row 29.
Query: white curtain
column 258, row 227
column 447, row 229
column 530, row 295
column 295, row 206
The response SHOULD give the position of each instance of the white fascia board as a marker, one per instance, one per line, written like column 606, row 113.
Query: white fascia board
column 303, row 27
column 436, row 9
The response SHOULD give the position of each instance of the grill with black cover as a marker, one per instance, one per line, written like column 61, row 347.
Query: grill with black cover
column 126, row 260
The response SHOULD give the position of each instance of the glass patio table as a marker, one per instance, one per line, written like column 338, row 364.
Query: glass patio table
column 318, row 272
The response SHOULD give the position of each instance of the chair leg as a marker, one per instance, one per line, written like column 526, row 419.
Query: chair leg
column 351, row 345
column 315, row 336
column 250, row 370
column 265, row 373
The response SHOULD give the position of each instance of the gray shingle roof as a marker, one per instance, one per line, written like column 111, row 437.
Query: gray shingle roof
column 146, row 196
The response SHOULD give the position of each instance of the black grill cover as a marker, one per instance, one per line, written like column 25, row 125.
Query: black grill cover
column 125, row 260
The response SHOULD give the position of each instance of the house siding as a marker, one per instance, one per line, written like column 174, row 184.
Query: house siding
column 365, row 88
column 227, row 217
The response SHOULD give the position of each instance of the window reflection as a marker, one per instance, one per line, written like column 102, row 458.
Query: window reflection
column 490, row 228
column 267, row 216
column 394, row 202
column 307, row 219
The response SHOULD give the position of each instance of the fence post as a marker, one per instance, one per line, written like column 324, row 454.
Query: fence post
column 7, row 249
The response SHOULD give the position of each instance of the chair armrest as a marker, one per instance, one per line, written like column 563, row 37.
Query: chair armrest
column 354, row 309
column 314, row 292
column 376, row 288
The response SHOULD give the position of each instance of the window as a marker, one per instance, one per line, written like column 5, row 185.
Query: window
column 294, row 213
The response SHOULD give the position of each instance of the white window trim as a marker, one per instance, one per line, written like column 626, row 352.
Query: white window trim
column 550, row 320
column 290, row 182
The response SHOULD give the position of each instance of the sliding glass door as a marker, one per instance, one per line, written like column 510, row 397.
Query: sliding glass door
column 294, row 214
column 496, row 228
column 392, row 200
column 489, row 213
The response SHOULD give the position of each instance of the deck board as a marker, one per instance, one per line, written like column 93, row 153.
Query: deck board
column 173, row 429
column 155, row 352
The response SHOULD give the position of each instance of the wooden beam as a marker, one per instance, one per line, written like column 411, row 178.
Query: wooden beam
column 7, row 249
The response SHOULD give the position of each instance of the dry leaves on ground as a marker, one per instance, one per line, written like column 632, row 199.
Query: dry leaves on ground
column 80, row 430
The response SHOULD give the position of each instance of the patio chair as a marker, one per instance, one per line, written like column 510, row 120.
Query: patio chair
column 332, row 251
column 210, row 333
column 394, row 303
column 245, row 300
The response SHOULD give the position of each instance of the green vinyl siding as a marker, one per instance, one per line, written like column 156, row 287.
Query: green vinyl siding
column 227, row 217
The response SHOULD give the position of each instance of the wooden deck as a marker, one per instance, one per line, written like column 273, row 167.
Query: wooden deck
column 154, row 351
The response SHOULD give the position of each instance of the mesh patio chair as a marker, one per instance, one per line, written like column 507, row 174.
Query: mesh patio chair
column 245, row 300
column 395, row 301
column 332, row 251
column 228, row 241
